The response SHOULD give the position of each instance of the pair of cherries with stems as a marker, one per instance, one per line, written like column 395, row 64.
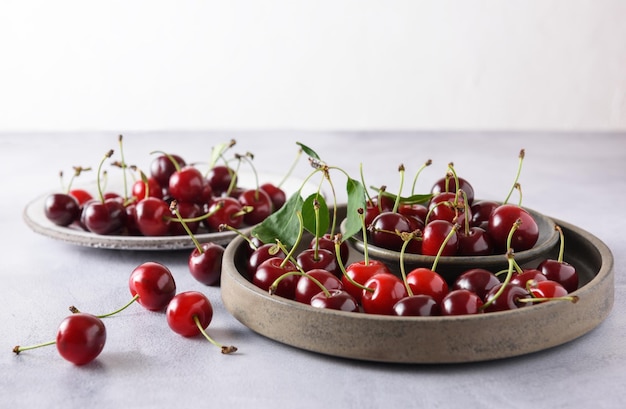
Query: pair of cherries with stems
column 81, row 336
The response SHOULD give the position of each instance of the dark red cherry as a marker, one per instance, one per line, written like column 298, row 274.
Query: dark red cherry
column 154, row 284
column 62, row 209
column 309, row 259
column 444, row 207
column 383, row 230
column 220, row 178
column 448, row 184
column 187, row 210
column 509, row 299
column 260, row 202
column 526, row 275
column 262, row 253
column 187, row 185
column 416, row 210
column 561, row 272
column 420, row 305
column 501, row 221
column 162, row 167
column 476, row 280
column 81, row 338
column 273, row 268
column 224, row 210
column 108, row 217
column 434, row 235
column 153, row 189
column 474, row 242
column 337, row 300
column 461, row 302
column 206, row 265
column 481, row 211
column 307, row 288
column 152, row 217
column 275, row 193
column 327, row 242
column 183, row 308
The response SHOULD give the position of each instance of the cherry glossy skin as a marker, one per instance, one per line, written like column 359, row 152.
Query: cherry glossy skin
column 434, row 235
column 360, row 273
column 442, row 207
column 161, row 168
column 547, row 289
column 276, row 194
column 527, row 274
column 259, row 255
column 206, row 266
column 183, row 308
column 229, row 213
column 307, row 288
column 501, row 221
column 152, row 217
column 461, row 302
column 268, row 271
column 383, row 228
column 187, row 210
column 80, row 338
column 187, row 185
column 440, row 186
column 108, row 217
column 260, row 202
column 476, row 280
column 420, row 305
column 154, row 283
column 388, row 289
column 327, row 242
column 62, row 209
column 426, row 281
column 81, row 195
column 508, row 300
column 153, row 189
column 480, row 211
column 338, row 300
column 220, row 178
column 561, row 272
column 474, row 242
column 324, row 259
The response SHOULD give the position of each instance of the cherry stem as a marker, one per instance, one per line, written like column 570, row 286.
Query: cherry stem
column 522, row 153
column 224, row 226
column 456, row 181
column 571, row 298
column 174, row 208
column 343, row 268
column 396, row 203
column 406, row 237
column 455, row 228
column 506, row 281
column 170, row 157
column 562, row 245
column 75, row 310
column 218, row 206
column 248, row 158
column 272, row 288
column 17, row 349
column 291, row 169
column 509, row 238
column 123, row 167
column 369, row 198
column 100, row 193
column 225, row 349
column 366, row 256
column 424, row 166
column 316, row 209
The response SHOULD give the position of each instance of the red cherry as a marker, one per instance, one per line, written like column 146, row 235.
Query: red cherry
column 327, row 242
column 547, row 289
column 420, row 305
column 162, row 167
column 474, row 242
column 426, row 281
column 154, row 285
column 309, row 259
column 450, row 182
column 187, row 185
column 443, row 207
column 153, row 189
column 526, row 275
column 434, row 235
column 224, row 210
column 108, row 217
column 152, row 217
column 187, row 210
column 481, row 211
column 559, row 270
column 220, row 178
column 382, row 292
column 360, row 272
column 336, row 300
column 81, row 195
column 307, row 288
column 383, row 230
column 260, row 202
column 509, row 299
column 501, row 221
column 61, row 209
column 184, row 307
column 461, row 302
column 275, row 193
column 476, row 280
column 270, row 270
column 206, row 265
column 259, row 255
column 80, row 338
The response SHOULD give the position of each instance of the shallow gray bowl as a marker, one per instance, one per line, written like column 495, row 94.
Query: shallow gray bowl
column 451, row 267
column 423, row 340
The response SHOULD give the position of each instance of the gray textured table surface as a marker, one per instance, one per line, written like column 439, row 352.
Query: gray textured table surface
column 576, row 177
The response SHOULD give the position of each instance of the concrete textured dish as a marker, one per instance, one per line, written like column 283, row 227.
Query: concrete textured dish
column 425, row 340
column 450, row 267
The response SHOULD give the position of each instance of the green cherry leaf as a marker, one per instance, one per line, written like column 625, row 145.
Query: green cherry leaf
column 308, row 151
column 308, row 215
column 281, row 225
column 356, row 201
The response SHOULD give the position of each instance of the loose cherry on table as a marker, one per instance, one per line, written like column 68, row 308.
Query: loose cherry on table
column 80, row 339
column 189, row 314
column 153, row 285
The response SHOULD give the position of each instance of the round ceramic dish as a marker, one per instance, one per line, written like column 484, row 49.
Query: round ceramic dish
column 35, row 218
column 451, row 266
column 423, row 340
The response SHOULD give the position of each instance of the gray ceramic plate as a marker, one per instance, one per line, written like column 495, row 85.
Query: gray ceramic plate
column 418, row 340
column 451, row 267
column 35, row 218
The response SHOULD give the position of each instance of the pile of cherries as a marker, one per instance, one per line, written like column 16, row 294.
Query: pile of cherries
column 81, row 336
column 206, row 202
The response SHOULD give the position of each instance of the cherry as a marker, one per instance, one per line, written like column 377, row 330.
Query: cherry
column 225, row 210
column 418, row 211
column 336, row 300
column 276, row 194
column 187, row 211
column 162, row 167
column 153, row 285
column 522, row 277
column 150, row 187
column 187, row 185
column 80, row 339
column 481, row 211
column 440, row 237
column 189, row 314
column 461, row 302
column 426, row 281
column 476, row 280
column 152, row 217
column 307, row 288
column 81, row 195
column 220, row 178
column 205, row 263
column 360, row 272
column 62, row 209
column 449, row 184
column 420, row 305
column 259, row 201
column 505, row 297
column 383, row 228
column 547, row 289
column 501, row 221
column 559, row 270
column 310, row 259
column 326, row 242
column 382, row 291
column 444, row 206
column 270, row 270
column 260, row 254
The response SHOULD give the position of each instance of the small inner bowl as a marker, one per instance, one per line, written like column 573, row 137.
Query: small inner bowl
column 450, row 267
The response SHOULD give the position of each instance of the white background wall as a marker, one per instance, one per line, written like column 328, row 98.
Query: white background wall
column 326, row 64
